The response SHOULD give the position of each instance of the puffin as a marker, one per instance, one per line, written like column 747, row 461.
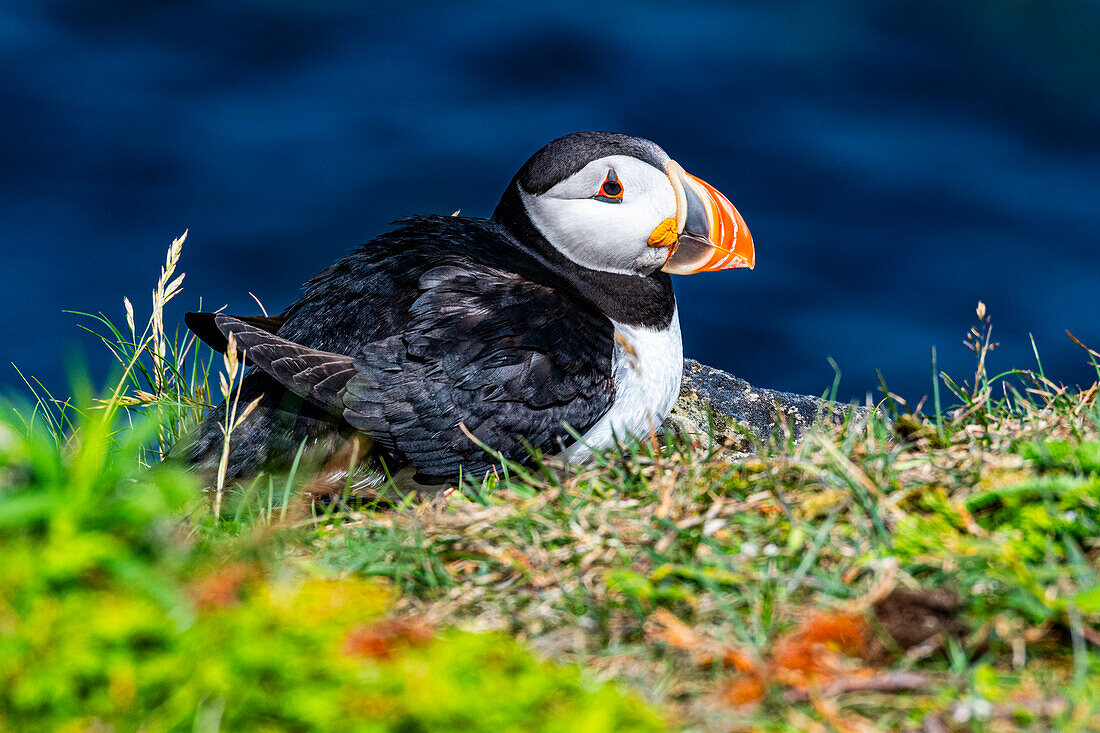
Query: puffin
column 451, row 343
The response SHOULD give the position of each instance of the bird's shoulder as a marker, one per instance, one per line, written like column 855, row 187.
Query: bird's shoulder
column 370, row 293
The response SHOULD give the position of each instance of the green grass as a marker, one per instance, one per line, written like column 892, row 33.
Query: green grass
column 895, row 572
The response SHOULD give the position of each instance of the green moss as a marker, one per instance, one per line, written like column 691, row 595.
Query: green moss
column 1042, row 514
column 1054, row 455
column 112, row 614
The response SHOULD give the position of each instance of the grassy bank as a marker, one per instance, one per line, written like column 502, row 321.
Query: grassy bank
column 924, row 568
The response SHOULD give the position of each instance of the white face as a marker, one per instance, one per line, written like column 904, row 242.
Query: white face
column 603, row 234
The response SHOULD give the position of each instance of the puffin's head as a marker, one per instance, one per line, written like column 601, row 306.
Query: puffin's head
column 617, row 203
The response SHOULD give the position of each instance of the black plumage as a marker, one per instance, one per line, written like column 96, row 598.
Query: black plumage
column 408, row 337
column 444, row 323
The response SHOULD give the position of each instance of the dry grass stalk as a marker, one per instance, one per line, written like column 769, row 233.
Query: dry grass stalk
column 233, row 362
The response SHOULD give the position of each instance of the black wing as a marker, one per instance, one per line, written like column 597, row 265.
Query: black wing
column 508, row 359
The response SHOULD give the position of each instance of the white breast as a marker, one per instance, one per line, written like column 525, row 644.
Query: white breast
column 647, row 366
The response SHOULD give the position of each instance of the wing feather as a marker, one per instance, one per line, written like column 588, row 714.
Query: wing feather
column 318, row 376
column 204, row 326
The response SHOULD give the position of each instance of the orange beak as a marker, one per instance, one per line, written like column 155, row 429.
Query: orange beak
column 709, row 232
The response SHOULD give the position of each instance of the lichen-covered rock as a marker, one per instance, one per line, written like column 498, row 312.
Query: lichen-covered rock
column 708, row 394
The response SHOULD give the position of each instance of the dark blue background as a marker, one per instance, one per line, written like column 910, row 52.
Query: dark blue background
column 896, row 162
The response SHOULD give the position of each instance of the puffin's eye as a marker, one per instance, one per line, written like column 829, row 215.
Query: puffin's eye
column 611, row 190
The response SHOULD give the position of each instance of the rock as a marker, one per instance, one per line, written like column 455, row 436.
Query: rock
column 733, row 402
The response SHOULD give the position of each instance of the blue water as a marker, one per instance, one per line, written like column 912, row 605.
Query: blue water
column 896, row 162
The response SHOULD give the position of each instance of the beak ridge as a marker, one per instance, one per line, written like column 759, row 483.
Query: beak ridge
column 712, row 233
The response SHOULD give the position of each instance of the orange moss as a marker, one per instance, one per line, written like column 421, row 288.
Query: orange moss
column 665, row 627
column 734, row 658
column 221, row 588
column 382, row 640
column 823, row 648
column 819, row 649
column 743, row 691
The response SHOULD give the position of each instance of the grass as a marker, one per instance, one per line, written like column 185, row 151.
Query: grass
column 903, row 571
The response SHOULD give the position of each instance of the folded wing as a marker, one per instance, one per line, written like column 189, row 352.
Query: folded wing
column 512, row 361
